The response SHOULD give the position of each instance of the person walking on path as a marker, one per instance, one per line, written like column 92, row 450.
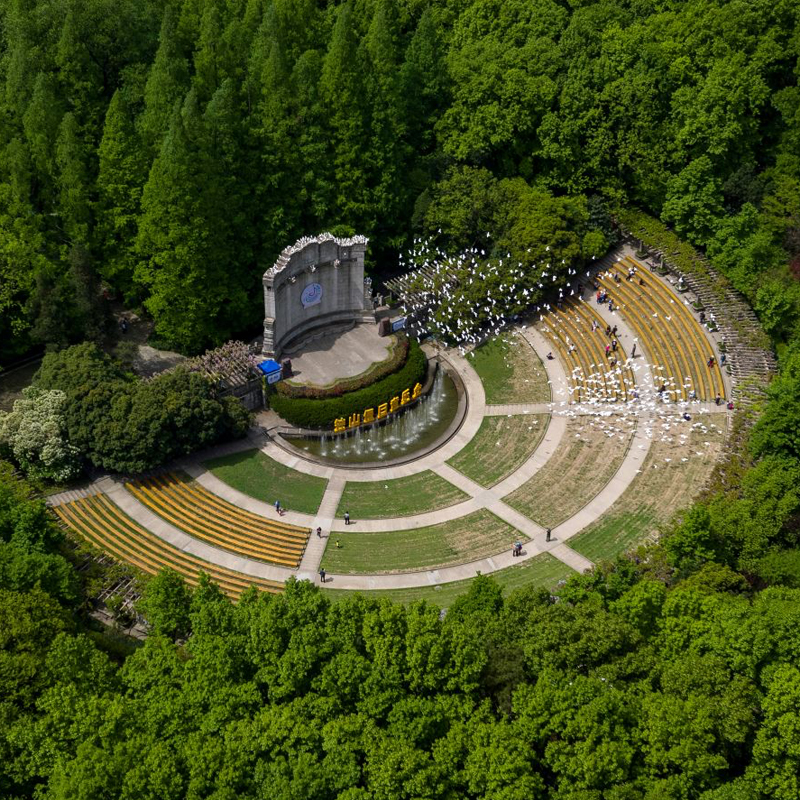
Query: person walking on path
column 278, row 508
column 547, row 535
column 633, row 350
column 346, row 517
column 718, row 400
column 319, row 533
column 322, row 575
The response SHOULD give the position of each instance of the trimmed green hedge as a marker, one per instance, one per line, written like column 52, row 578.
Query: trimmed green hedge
column 375, row 373
column 307, row 413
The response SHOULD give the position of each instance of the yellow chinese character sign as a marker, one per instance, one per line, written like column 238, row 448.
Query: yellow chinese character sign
column 369, row 415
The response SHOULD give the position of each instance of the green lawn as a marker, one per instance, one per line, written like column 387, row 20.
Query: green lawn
column 398, row 497
column 540, row 571
column 500, row 446
column 583, row 463
column 259, row 476
column 615, row 533
column 456, row 541
column 510, row 371
column 661, row 488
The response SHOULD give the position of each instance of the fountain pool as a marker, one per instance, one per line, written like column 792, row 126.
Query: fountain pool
column 418, row 429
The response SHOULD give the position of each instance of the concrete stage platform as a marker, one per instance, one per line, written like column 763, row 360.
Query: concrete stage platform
column 339, row 355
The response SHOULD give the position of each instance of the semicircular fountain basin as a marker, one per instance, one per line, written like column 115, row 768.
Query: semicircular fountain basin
column 414, row 431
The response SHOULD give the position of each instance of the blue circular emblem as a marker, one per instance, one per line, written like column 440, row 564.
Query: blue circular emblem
column 312, row 295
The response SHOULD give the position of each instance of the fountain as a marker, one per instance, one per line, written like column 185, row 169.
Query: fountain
column 417, row 429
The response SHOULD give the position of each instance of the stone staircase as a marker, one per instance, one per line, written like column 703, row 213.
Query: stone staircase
column 74, row 494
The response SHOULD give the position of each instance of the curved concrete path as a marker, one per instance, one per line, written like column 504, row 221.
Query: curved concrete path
column 560, row 409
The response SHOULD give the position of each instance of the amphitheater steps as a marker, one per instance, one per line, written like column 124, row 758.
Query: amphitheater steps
column 751, row 365
column 101, row 523
column 207, row 517
column 71, row 495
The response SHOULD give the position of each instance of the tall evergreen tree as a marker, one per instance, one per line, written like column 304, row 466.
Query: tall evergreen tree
column 209, row 58
column 342, row 91
column 167, row 82
column 423, row 83
column 73, row 182
column 169, row 243
column 41, row 123
column 387, row 148
column 121, row 177
column 316, row 187
column 276, row 133
column 21, row 248
column 193, row 250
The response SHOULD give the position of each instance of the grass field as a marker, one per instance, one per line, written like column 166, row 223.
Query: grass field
column 540, row 571
column 259, row 476
column 500, row 446
column 656, row 493
column 398, row 497
column 457, row 541
column 581, row 466
column 510, row 371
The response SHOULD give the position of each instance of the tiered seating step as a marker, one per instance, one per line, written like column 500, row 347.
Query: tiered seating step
column 199, row 513
column 672, row 337
column 104, row 525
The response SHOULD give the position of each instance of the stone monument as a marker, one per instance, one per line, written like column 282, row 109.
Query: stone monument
column 315, row 287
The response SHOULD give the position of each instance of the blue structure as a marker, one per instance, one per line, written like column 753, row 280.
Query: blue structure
column 271, row 369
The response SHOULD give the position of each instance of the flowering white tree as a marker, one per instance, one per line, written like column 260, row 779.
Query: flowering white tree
column 35, row 434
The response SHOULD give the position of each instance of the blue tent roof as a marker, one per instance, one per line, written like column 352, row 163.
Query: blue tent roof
column 269, row 365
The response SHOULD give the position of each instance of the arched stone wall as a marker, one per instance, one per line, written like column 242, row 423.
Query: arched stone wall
column 316, row 285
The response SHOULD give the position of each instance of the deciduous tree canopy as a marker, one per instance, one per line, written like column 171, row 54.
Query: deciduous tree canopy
column 173, row 149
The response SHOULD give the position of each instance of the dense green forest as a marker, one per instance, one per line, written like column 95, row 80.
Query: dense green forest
column 163, row 154
column 166, row 152
column 671, row 675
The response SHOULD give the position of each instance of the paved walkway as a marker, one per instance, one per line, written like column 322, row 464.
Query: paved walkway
column 559, row 410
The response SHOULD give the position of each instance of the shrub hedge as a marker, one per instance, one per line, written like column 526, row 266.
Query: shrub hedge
column 392, row 364
column 307, row 413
